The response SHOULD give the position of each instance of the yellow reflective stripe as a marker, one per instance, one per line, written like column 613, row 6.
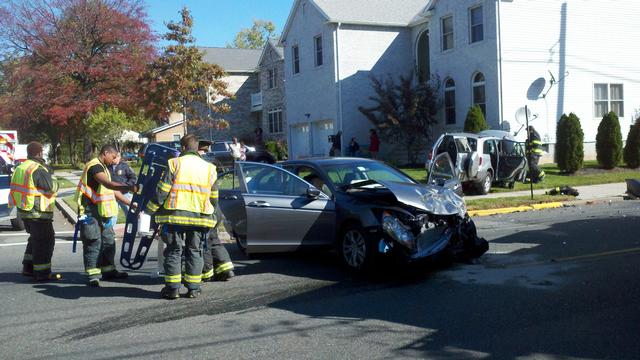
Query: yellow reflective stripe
column 537, row 151
column 224, row 267
column 92, row 271
column 152, row 207
column 536, row 142
column 164, row 186
column 108, row 268
column 40, row 267
column 173, row 278
column 184, row 220
column 194, row 279
column 207, row 275
column 214, row 194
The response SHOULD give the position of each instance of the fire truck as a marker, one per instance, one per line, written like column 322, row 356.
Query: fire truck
column 8, row 144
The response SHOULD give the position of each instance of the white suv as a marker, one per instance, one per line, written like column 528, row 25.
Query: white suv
column 483, row 159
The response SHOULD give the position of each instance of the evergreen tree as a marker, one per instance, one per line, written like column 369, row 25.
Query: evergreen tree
column 609, row 141
column 632, row 149
column 475, row 122
column 569, row 143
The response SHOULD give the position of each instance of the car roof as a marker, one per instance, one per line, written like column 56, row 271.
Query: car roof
column 329, row 161
column 497, row 134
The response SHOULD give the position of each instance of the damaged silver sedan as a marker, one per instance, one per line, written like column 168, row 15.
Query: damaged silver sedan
column 364, row 209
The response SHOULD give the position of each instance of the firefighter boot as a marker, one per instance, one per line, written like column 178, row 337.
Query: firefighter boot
column 169, row 293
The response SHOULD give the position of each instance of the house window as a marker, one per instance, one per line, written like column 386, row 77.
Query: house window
column 450, row 101
column 476, row 26
column 478, row 92
column 446, row 24
column 317, row 41
column 608, row 97
column 272, row 78
column 176, row 137
column 275, row 121
column 295, row 52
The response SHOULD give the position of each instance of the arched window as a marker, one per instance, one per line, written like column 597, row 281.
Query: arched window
column 450, row 101
column 422, row 57
column 478, row 92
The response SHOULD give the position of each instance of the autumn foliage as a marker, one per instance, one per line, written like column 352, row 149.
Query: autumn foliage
column 65, row 58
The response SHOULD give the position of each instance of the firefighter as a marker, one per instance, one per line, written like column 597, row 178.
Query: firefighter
column 217, row 262
column 96, row 197
column 33, row 192
column 534, row 152
column 184, row 206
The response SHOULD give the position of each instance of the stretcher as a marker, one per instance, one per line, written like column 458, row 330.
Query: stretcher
column 154, row 166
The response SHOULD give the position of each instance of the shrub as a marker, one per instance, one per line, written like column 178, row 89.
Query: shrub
column 277, row 148
column 609, row 142
column 569, row 143
column 632, row 149
column 475, row 121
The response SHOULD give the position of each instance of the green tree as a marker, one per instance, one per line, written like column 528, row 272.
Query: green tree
column 404, row 111
column 475, row 122
column 180, row 78
column 609, row 141
column 254, row 37
column 632, row 148
column 569, row 143
column 106, row 125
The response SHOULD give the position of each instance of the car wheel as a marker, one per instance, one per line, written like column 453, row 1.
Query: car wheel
column 17, row 224
column 355, row 248
column 484, row 186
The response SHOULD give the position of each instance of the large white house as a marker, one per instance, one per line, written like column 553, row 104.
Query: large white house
column 555, row 56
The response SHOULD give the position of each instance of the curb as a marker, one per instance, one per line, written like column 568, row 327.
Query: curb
column 508, row 210
column 67, row 211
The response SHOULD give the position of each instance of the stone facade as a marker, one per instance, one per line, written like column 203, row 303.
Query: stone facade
column 273, row 95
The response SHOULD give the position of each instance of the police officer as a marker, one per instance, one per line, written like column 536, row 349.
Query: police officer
column 184, row 205
column 217, row 262
column 534, row 152
column 96, row 197
column 33, row 192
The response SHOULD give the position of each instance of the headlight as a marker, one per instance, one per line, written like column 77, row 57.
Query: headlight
column 398, row 231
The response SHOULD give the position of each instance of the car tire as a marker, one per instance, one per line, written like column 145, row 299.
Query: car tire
column 17, row 224
column 484, row 186
column 356, row 248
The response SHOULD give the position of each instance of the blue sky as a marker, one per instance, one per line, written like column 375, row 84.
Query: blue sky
column 216, row 22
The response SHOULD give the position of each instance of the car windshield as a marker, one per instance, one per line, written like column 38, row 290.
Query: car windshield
column 353, row 173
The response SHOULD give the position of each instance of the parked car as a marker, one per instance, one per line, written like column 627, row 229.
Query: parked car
column 221, row 151
column 129, row 156
column 363, row 208
column 7, row 213
column 490, row 157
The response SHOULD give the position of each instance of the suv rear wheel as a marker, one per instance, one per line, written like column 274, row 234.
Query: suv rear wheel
column 484, row 186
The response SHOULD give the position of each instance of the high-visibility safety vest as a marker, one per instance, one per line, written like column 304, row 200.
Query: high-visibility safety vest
column 23, row 192
column 190, row 191
column 103, row 198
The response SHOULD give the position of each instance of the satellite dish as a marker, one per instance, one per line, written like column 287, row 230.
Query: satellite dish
column 522, row 114
column 536, row 88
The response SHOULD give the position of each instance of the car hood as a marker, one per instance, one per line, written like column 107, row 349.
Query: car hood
column 434, row 199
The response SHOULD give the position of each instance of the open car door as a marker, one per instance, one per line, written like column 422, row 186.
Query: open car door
column 443, row 173
column 282, row 211
column 511, row 161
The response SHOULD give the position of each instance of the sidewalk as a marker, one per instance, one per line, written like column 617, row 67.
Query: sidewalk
column 587, row 192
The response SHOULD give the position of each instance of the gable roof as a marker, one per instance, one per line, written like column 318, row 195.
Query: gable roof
column 395, row 13
column 232, row 60
column 162, row 128
column 277, row 48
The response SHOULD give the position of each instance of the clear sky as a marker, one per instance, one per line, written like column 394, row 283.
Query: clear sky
column 216, row 22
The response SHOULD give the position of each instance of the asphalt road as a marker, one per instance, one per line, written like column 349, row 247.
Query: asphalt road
column 556, row 284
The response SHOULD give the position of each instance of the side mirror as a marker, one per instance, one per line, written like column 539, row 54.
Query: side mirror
column 313, row 192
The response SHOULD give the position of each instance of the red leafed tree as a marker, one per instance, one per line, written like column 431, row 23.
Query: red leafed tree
column 64, row 58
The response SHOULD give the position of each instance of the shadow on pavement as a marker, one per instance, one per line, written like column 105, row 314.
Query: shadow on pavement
column 83, row 291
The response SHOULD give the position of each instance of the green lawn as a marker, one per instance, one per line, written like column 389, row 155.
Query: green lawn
column 497, row 203
column 589, row 175
column 65, row 184
column 69, row 201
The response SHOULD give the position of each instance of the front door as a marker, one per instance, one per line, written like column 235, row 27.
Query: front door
column 511, row 161
column 280, row 214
